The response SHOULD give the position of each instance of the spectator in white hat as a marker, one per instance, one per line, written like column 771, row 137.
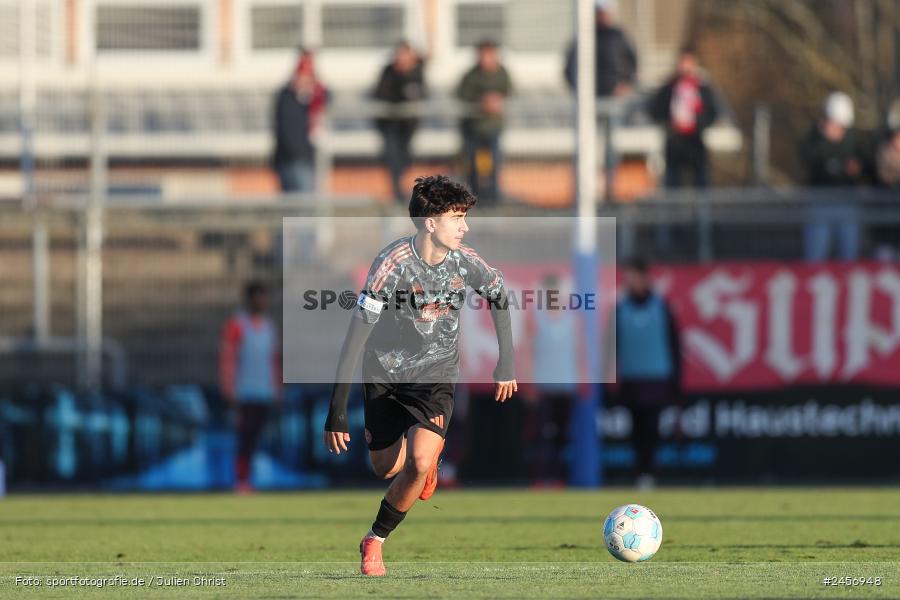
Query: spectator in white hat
column 832, row 150
column 835, row 157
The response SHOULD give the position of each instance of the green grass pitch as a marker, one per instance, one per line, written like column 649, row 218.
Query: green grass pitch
column 721, row 543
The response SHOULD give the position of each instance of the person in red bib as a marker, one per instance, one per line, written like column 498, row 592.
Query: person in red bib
column 250, row 372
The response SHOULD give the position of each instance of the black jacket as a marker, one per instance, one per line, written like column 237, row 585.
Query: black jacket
column 661, row 102
column 827, row 161
column 616, row 61
column 396, row 88
column 291, row 128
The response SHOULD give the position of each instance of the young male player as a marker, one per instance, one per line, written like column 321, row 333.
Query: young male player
column 407, row 321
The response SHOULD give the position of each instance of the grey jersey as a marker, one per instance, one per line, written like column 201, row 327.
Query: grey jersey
column 415, row 306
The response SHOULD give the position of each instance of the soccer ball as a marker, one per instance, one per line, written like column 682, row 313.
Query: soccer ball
column 632, row 533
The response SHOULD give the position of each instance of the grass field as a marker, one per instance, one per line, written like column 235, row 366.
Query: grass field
column 733, row 543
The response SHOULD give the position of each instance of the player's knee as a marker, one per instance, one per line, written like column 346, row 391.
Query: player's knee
column 420, row 464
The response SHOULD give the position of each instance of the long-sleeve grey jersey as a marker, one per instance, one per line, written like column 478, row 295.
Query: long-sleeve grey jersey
column 416, row 307
column 407, row 319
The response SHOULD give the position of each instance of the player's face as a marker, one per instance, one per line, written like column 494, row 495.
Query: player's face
column 636, row 283
column 450, row 228
column 258, row 302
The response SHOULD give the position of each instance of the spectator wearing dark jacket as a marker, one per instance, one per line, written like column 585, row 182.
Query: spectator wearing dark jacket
column 484, row 90
column 686, row 106
column 887, row 160
column 401, row 83
column 299, row 107
column 615, row 65
column 835, row 156
column 832, row 150
column 616, row 61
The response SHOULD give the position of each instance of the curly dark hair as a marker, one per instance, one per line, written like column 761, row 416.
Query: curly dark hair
column 437, row 194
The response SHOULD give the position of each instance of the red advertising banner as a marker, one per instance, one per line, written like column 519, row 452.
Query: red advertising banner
column 769, row 325
column 749, row 326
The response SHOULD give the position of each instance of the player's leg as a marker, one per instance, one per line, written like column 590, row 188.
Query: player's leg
column 387, row 462
column 386, row 424
column 423, row 445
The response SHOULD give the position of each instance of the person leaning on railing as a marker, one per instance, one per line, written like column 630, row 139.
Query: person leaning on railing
column 401, row 82
column 485, row 87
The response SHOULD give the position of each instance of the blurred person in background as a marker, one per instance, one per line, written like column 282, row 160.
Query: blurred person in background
column 834, row 156
column 616, row 64
column 484, row 89
column 250, row 373
column 685, row 106
column 401, row 82
column 555, row 357
column 887, row 168
column 299, row 110
column 616, row 60
column 887, row 160
column 648, row 362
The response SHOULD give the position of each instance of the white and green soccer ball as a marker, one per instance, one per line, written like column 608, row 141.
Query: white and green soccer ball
column 632, row 533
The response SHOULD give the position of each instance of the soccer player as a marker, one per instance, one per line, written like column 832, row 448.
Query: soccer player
column 406, row 325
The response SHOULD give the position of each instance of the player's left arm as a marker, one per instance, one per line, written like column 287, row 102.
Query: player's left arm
column 488, row 283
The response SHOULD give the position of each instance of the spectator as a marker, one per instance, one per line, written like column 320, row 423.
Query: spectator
column 834, row 157
column 250, row 373
column 556, row 382
column 401, row 83
column 832, row 150
column 888, row 160
column 686, row 106
column 299, row 107
column 648, row 362
column 615, row 66
column 484, row 89
column 616, row 60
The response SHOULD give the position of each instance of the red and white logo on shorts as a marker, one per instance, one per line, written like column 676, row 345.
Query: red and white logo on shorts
column 368, row 437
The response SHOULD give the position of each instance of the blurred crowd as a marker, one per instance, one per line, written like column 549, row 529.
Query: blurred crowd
column 684, row 106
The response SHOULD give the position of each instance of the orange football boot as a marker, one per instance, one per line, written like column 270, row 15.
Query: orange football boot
column 370, row 554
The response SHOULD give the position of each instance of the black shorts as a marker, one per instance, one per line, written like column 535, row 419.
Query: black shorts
column 392, row 408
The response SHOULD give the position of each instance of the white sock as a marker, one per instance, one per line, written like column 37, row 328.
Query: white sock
column 371, row 534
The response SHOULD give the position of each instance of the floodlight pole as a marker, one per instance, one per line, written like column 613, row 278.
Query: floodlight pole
column 90, row 246
column 586, row 466
column 40, row 239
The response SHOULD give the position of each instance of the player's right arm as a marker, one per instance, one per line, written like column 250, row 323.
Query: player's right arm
column 337, row 433
column 380, row 285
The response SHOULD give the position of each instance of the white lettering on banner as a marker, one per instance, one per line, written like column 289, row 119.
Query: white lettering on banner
column 866, row 419
column 614, row 423
column 863, row 333
column 824, row 291
column 718, row 296
column 856, row 335
column 780, row 352
column 886, row 342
